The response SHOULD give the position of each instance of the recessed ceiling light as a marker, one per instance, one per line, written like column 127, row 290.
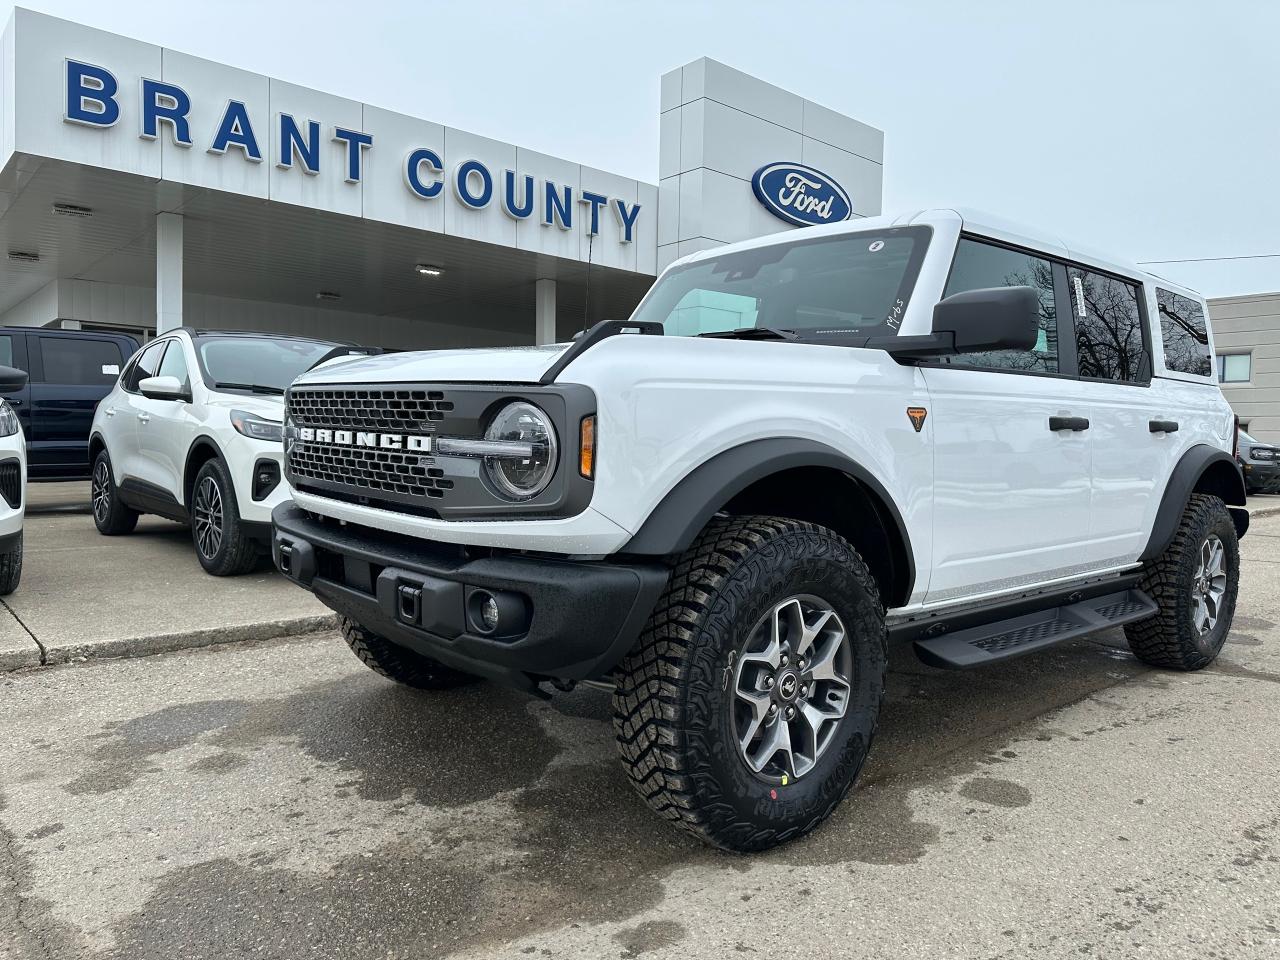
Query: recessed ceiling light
column 427, row 270
column 328, row 295
column 71, row 210
column 22, row 257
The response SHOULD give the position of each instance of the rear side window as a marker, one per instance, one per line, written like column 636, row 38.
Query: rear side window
column 1108, row 320
column 1185, row 336
column 980, row 265
column 75, row 361
column 145, row 366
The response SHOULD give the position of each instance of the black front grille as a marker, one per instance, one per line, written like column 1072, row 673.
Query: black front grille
column 374, row 471
column 11, row 483
column 394, row 410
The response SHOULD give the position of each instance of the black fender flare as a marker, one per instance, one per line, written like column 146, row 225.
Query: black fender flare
column 1184, row 480
column 676, row 521
column 200, row 440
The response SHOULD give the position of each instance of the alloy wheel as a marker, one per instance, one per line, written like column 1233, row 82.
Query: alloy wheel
column 791, row 688
column 208, row 518
column 1209, row 585
column 101, row 491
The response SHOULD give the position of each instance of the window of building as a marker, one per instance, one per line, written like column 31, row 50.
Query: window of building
column 979, row 265
column 1234, row 367
column 1186, row 339
column 71, row 360
column 1108, row 324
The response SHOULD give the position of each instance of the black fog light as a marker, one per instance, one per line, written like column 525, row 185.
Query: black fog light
column 266, row 474
column 496, row 613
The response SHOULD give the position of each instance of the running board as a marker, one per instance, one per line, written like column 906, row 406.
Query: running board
column 1003, row 639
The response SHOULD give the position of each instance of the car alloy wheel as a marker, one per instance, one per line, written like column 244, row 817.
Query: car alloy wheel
column 1209, row 585
column 791, row 688
column 208, row 518
column 101, row 491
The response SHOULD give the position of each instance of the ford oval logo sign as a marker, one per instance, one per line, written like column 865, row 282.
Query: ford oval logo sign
column 800, row 195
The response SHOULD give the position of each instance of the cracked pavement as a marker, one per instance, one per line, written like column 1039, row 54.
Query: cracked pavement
column 278, row 799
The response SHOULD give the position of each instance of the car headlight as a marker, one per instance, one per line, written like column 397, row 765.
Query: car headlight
column 524, row 472
column 251, row 425
column 8, row 420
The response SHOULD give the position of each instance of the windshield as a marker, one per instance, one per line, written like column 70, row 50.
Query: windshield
column 854, row 285
column 269, row 364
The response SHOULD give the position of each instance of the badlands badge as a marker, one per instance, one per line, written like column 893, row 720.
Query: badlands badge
column 917, row 415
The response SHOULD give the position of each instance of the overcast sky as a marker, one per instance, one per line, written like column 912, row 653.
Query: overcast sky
column 1147, row 128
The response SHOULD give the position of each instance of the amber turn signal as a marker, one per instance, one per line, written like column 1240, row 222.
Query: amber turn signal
column 587, row 447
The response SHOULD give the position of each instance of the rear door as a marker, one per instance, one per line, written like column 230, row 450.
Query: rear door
column 70, row 374
column 1131, row 460
column 1012, row 448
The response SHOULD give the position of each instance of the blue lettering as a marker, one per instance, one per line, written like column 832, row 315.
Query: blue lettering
column 91, row 95
column 556, row 209
column 164, row 101
column 626, row 218
column 413, row 173
column 292, row 142
column 518, row 211
column 235, row 130
column 462, row 184
column 596, row 201
column 356, row 143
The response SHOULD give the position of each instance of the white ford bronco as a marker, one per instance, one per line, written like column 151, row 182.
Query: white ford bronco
column 800, row 449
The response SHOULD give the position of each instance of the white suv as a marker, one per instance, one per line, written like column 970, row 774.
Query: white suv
column 13, row 482
column 938, row 429
column 191, row 432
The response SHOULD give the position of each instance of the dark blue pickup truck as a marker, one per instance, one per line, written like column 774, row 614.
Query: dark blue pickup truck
column 70, row 371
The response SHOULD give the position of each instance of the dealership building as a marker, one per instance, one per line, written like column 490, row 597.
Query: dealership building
column 142, row 188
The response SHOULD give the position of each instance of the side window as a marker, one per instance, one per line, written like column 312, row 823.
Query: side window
column 978, row 265
column 1183, row 331
column 174, row 364
column 71, row 360
column 145, row 366
column 1108, row 327
column 6, row 350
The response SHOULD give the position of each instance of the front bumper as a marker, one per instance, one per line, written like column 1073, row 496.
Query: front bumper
column 1261, row 477
column 561, row 618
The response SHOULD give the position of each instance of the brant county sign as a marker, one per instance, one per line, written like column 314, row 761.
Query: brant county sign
column 800, row 195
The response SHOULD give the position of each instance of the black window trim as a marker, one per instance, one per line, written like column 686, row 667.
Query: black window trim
column 1147, row 364
column 128, row 370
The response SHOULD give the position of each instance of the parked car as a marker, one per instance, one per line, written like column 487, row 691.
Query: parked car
column 70, row 371
column 1260, row 463
column 191, row 431
column 13, row 481
column 800, row 448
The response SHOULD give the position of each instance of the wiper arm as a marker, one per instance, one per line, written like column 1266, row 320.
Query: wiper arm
column 754, row 333
column 254, row 387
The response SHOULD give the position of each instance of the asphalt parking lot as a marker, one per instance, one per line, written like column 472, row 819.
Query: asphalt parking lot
column 278, row 799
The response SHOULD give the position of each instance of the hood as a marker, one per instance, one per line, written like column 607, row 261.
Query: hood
column 262, row 405
column 485, row 365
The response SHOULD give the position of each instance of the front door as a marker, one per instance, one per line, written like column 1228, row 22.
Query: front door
column 166, row 427
column 1012, row 445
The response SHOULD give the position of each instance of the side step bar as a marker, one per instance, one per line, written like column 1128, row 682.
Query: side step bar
column 1003, row 639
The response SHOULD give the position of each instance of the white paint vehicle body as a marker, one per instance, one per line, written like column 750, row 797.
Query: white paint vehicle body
column 1010, row 432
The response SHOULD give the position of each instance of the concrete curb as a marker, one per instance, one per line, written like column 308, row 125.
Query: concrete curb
column 57, row 652
column 11, row 660
column 1264, row 511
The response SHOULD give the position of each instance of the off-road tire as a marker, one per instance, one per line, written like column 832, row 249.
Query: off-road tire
column 1170, row 639
column 110, row 516
column 11, row 568
column 236, row 553
column 400, row 663
column 673, row 702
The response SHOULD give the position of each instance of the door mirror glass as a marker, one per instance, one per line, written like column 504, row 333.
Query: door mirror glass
column 162, row 388
column 12, row 379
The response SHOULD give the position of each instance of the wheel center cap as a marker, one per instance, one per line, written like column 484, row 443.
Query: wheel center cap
column 788, row 686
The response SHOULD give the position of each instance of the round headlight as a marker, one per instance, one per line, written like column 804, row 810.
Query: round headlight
column 523, row 474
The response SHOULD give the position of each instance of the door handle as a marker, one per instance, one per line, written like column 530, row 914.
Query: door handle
column 144, row 417
column 1163, row 426
column 1074, row 424
column 110, row 411
column 15, row 402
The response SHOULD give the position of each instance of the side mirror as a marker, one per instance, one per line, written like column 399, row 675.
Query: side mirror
column 993, row 318
column 163, row 388
column 12, row 379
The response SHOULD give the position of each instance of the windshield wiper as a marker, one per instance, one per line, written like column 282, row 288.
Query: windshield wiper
column 754, row 333
column 254, row 387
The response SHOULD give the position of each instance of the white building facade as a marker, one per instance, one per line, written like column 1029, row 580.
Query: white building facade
column 142, row 188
